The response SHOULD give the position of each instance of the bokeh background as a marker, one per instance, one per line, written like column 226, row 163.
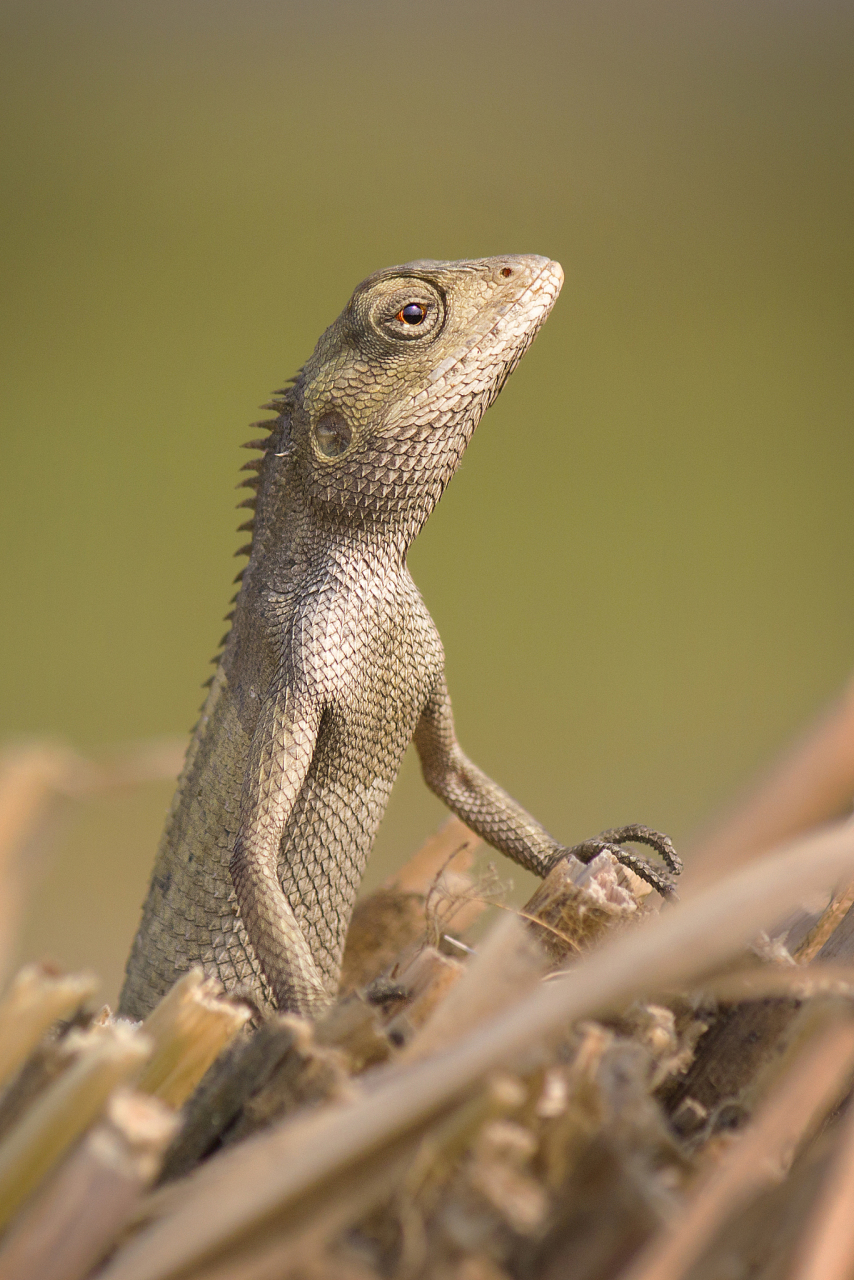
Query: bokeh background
column 642, row 573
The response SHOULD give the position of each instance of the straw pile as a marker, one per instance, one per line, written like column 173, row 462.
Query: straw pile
column 598, row 1087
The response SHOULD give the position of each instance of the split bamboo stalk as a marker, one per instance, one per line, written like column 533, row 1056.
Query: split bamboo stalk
column 105, row 1057
column 69, row 1225
column 434, row 1159
column 759, row 1157
column 36, row 998
column 189, row 1028
column 427, row 979
column 745, row 1036
column 407, row 1165
column 30, row 778
column 148, row 760
column 231, row 1197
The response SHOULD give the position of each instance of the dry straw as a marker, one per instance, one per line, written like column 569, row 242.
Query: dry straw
column 465, row 1091
column 188, row 1030
column 67, row 1228
column 100, row 1060
column 36, row 999
column 268, row 1178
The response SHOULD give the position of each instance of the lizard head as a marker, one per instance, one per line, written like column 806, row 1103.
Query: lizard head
column 386, row 405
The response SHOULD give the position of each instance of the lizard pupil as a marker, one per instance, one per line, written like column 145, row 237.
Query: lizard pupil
column 412, row 313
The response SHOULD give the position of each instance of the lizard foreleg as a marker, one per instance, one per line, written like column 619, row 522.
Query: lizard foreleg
column 494, row 815
column 281, row 753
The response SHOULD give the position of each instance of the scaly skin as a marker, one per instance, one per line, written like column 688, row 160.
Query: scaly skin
column 333, row 664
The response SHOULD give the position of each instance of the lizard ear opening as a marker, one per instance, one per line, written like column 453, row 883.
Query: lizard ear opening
column 333, row 435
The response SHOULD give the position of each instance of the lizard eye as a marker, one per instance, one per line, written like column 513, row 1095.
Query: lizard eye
column 412, row 313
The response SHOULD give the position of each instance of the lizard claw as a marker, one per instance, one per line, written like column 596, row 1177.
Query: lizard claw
column 611, row 841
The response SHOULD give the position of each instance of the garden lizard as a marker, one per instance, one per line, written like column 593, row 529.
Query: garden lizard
column 332, row 664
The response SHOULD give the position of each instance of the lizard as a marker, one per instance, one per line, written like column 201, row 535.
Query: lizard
column 332, row 664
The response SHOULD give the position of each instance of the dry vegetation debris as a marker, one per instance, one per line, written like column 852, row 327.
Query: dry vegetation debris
column 595, row 1088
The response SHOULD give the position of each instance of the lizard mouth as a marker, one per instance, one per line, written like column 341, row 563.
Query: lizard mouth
column 547, row 283
column 533, row 303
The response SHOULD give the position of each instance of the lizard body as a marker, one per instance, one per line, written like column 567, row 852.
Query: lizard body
column 332, row 664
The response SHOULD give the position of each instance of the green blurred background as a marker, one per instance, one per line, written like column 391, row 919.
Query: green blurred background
column 642, row 573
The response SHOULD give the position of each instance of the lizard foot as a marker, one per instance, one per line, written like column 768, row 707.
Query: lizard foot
column 612, row 842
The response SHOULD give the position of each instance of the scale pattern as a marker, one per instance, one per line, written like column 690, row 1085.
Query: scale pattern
column 333, row 664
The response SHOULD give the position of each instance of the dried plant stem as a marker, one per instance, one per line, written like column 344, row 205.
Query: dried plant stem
column 577, row 904
column 71, row 1223
column 800, row 983
column 189, row 1029
column 233, row 1194
column 812, row 782
column 427, row 978
column 509, row 964
column 106, row 1057
column 829, row 920
column 35, row 999
column 434, row 1159
column 826, row 1249
column 745, row 1037
column 149, row 760
column 31, row 782
column 409, row 1162
column 387, row 922
column 453, row 842
column 244, row 1069
column 274, row 1252
column 759, row 1157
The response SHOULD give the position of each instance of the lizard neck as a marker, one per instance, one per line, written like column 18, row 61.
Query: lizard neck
column 299, row 529
column 299, row 542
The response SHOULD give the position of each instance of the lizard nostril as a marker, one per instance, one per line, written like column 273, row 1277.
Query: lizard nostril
column 506, row 271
